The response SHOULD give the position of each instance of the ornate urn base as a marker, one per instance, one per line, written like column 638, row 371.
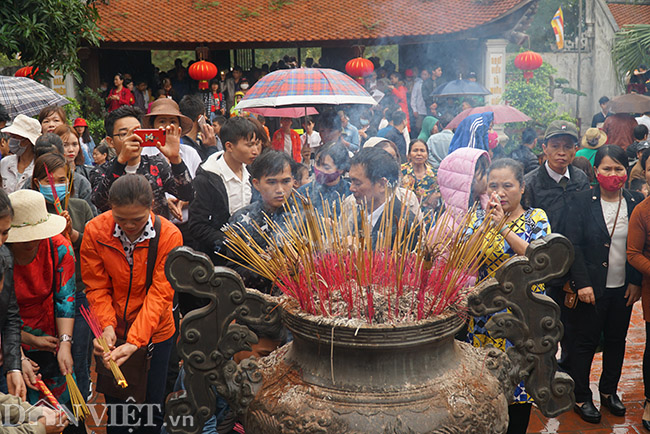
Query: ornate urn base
column 340, row 377
column 379, row 379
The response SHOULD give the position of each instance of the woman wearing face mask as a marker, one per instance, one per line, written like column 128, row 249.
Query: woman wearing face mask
column 505, row 186
column 77, row 213
column 420, row 177
column 329, row 188
column 606, row 284
column 17, row 168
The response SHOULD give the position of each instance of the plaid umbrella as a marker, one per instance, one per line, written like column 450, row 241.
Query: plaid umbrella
column 21, row 95
column 305, row 87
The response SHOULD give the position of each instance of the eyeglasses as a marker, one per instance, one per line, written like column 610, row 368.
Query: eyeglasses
column 121, row 135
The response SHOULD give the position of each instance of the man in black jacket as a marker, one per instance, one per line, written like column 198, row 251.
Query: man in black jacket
column 524, row 153
column 222, row 187
column 10, row 326
column 551, row 187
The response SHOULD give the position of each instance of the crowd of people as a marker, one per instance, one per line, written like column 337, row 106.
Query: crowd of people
column 90, row 226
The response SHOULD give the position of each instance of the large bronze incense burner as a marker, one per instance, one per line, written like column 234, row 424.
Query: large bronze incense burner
column 338, row 376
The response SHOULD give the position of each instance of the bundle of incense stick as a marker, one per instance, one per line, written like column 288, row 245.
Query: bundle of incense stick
column 77, row 400
column 93, row 323
column 320, row 259
column 48, row 394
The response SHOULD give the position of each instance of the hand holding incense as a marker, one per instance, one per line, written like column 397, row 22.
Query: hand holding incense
column 93, row 323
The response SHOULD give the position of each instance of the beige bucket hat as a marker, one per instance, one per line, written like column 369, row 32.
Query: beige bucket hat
column 31, row 220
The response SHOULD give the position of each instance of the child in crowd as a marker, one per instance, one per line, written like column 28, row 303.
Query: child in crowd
column 287, row 140
column 639, row 185
column 310, row 139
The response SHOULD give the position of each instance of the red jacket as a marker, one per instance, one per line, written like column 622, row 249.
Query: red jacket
column 110, row 281
column 126, row 98
column 278, row 144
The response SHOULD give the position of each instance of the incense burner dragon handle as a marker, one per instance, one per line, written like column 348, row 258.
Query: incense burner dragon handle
column 209, row 337
column 530, row 321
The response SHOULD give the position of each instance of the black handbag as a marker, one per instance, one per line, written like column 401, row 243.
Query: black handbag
column 136, row 368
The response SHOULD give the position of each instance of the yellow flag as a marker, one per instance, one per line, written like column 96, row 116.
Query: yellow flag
column 558, row 27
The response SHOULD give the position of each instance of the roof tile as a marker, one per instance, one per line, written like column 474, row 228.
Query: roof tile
column 255, row 21
column 625, row 14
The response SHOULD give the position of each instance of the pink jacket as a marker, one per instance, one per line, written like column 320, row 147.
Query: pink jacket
column 455, row 176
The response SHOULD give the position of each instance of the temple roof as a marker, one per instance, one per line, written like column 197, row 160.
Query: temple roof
column 246, row 23
column 626, row 14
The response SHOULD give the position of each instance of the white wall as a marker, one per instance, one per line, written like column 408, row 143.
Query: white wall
column 598, row 77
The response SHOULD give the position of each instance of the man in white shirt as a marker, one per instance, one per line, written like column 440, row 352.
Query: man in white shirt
column 373, row 173
column 644, row 120
column 174, row 118
column 222, row 187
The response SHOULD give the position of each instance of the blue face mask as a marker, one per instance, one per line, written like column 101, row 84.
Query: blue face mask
column 61, row 191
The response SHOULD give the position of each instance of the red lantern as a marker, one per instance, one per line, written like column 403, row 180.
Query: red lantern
column 359, row 68
column 528, row 61
column 203, row 72
column 26, row 71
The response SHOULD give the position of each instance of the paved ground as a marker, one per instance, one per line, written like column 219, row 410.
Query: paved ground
column 630, row 390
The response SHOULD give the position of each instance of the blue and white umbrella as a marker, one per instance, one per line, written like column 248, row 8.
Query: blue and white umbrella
column 21, row 95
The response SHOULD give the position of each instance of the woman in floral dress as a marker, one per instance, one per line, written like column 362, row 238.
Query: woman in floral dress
column 505, row 185
column 420, row 177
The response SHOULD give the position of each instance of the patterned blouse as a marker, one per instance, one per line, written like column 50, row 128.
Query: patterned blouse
column 532, row 224
column 46, row 291
column 422, row 187
column 175, row 180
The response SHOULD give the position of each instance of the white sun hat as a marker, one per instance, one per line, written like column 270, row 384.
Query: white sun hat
column 24, row 126
column 31, row 220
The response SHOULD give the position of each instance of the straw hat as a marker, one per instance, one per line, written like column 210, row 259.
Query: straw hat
column 593, row 138
column 167, row 107
column 24, row 126
column 31, row 220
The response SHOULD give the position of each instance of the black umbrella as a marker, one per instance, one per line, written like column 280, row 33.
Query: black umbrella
column 460, row 88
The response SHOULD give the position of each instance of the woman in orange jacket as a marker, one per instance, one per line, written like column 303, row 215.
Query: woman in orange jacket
column 114, row 255
column 280, row 140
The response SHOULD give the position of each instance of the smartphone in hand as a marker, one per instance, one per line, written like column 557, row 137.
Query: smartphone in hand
column 150, row 136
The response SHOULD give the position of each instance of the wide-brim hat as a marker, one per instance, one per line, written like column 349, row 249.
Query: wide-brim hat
column 167, row 107
column 26, row 127
column 31, row 220
column 593, row 138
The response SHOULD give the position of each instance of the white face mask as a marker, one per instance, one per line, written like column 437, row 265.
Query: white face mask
column 15, row 147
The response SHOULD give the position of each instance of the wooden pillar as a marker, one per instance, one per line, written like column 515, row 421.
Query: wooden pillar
column 90, row 64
